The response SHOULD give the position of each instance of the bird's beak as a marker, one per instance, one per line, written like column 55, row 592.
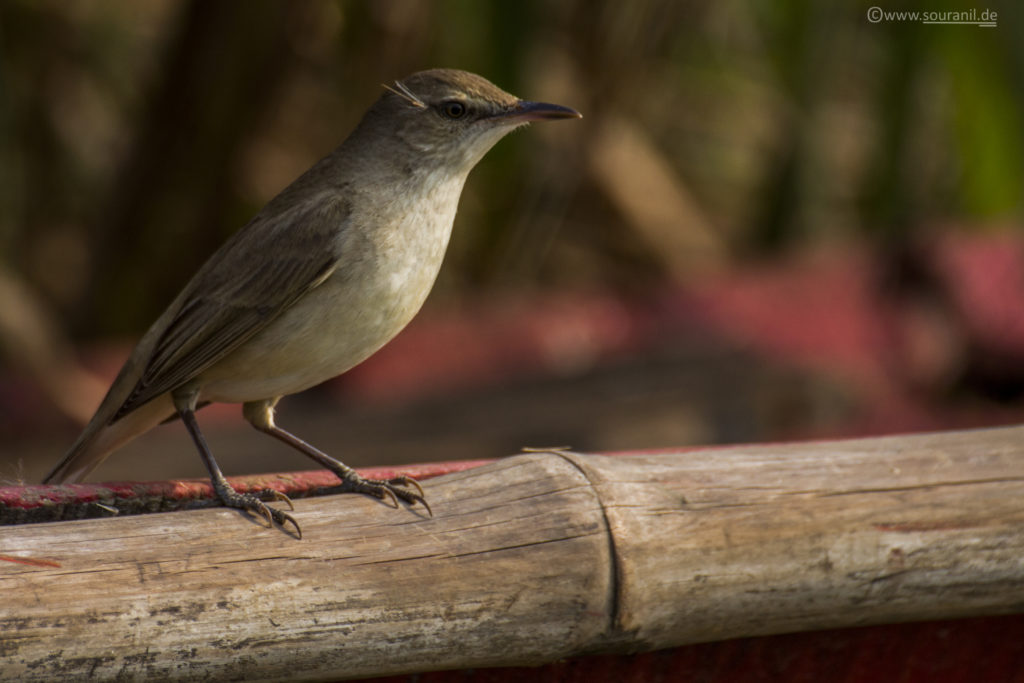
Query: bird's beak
column 537, row 111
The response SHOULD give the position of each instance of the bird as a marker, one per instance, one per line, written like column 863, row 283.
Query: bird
column 325, row 274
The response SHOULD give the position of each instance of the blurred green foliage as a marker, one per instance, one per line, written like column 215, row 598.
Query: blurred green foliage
column 135, row 136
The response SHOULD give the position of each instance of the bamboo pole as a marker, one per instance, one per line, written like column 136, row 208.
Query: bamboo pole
column 527, row 560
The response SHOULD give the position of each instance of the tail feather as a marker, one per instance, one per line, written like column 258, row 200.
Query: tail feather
column 103, row 435
column 100, row 439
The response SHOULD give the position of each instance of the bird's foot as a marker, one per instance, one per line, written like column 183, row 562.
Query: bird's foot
column 254, row 503
column 394, row 488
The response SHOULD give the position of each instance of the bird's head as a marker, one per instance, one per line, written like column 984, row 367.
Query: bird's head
column 452, row 118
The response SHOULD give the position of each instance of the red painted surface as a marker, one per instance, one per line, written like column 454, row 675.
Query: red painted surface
column 21, row 504
column 981, row 650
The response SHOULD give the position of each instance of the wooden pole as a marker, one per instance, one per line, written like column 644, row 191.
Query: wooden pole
column 528, row 560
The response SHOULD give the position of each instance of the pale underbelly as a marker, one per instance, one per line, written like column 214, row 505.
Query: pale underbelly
column 333, row 328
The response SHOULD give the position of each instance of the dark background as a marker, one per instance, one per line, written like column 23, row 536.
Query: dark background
column 776, row 220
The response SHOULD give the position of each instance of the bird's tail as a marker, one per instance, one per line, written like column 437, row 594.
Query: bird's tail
column 100, row 439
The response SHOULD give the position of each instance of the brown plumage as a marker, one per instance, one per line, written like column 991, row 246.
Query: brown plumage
column 330, row 270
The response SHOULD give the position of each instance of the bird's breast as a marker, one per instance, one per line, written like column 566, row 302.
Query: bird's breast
column 388, row 259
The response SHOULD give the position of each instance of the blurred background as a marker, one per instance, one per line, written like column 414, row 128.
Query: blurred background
column 775, row 221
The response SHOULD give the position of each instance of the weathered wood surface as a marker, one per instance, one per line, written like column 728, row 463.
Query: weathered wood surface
column 527, row 560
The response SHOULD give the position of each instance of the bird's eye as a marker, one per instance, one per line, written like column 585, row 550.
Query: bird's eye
column 453, row 109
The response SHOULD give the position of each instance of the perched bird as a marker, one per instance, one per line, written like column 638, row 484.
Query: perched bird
column 324, row 275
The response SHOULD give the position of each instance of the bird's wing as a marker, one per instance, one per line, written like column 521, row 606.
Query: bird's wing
column 264, row 269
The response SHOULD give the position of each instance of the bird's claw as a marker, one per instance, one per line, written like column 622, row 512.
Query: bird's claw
column 409, row 481
column 387, row 488
column 254, row 504
column 273, row 494
column 413, row 498
column 283, row 518
column 388, row 493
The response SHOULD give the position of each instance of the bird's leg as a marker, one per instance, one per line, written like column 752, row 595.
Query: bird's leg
column 261, row 415
column 225, row 493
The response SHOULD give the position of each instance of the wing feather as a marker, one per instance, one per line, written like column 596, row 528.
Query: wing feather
column 258, row 274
